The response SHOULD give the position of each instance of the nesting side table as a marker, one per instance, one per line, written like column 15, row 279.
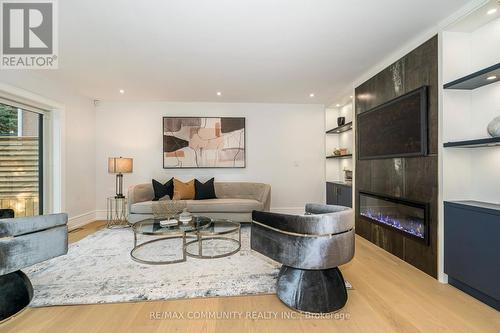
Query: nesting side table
column 116, row 209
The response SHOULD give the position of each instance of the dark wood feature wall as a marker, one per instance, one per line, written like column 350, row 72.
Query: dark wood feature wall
column 413, row 178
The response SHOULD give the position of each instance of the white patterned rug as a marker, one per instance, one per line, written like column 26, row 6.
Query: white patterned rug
column 98, row 269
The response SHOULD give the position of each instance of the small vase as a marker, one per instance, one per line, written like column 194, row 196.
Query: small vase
column 494, row 127
column 340, row 121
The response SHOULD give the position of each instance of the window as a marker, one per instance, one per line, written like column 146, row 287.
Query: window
column 21, row 160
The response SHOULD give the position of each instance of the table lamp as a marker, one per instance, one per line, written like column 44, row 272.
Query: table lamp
column 120, row 165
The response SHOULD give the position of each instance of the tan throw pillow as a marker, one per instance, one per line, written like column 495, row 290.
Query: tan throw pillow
column 184, row 191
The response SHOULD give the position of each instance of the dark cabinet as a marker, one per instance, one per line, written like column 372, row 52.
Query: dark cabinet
column 472, row 249
column 339, row 194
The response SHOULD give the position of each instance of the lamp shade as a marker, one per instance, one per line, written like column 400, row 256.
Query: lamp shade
column 120, row 165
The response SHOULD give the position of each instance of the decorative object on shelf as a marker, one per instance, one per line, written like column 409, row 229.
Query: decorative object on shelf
column 494, row 127
column 340, row 129
column 116, row 213
column 340, row 152
column 340, row 121
column 185, row 216
column 120, row 165
column 203, row 142
column 347, row 175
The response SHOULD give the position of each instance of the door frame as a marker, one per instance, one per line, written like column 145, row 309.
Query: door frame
column 53, row 115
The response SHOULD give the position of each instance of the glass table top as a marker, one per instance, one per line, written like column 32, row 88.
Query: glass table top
column 153, row 227
column 220, row 227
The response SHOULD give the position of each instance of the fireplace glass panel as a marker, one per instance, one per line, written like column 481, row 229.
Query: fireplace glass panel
column 407, row 218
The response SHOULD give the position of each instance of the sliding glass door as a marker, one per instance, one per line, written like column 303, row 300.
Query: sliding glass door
column 21, row 160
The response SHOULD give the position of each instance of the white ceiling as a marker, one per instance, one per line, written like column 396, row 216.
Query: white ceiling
column 250, row 50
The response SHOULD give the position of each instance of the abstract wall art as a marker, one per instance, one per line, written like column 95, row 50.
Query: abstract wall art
column 203, row 142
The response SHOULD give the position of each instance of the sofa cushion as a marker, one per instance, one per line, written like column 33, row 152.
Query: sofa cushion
column 208, row 206
column 223, row 205
column 183, row 191
column 161, row 190
column 205, row 190
column 144, row 207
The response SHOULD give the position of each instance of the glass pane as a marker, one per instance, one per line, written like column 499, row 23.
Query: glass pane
column 19, row 160
column 406, row 218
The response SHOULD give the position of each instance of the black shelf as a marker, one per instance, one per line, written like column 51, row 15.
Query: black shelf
column 476, row 80
column 340, row 156
column 344, row 128
column 480, row 143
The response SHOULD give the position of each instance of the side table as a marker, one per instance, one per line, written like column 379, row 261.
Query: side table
column 116, row 209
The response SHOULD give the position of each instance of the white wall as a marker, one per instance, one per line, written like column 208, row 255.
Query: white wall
column 284, row 142
column 78, row 128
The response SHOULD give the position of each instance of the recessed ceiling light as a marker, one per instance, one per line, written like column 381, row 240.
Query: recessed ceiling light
column 493, row 77
column 219, row 93
column 491, row 11
column 350, row 97
column 122, row 91
column 311, row 95
column 338, row 105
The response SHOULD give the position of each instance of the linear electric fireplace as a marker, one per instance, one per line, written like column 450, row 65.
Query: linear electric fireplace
column 407, row 217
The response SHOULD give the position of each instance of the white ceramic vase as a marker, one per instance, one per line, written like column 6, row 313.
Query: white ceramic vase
column 494, row 127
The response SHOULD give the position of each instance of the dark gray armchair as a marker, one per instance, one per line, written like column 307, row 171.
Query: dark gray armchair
column 25, row 241
column 310, row 247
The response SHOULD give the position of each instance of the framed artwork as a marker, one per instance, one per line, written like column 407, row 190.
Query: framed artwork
column 203, row 142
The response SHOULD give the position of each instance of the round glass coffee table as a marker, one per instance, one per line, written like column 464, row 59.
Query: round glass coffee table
column 220, row 232
column 152, row 227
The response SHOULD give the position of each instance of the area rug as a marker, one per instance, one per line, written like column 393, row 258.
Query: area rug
column 99, row 269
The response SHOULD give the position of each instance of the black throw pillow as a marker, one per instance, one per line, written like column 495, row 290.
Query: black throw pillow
column 204, row 191
column 162, row 190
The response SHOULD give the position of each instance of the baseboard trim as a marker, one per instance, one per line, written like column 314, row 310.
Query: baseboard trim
column 486, row 299
column 101, row 214
column 79, row 221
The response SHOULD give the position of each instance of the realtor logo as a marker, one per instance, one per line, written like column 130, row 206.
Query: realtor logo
column 28, row 34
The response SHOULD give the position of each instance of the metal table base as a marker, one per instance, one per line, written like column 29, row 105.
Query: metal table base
column 201, row 237
column 159, row 262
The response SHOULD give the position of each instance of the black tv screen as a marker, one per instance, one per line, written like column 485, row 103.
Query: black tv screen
column 397, row 128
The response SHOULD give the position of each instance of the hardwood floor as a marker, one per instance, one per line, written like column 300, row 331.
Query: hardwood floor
column 389, row 296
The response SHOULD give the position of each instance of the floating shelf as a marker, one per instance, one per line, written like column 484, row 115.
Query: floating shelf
column 489, row 142
column 477, row 79
column 344, row 128
column 340, row 156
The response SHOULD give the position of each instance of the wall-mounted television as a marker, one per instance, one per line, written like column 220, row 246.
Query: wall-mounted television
column 397, row 128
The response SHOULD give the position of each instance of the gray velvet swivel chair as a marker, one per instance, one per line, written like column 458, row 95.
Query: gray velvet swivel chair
column 310, row 247
column 25, row 241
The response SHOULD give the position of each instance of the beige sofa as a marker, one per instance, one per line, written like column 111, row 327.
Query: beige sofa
column 235, row 201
